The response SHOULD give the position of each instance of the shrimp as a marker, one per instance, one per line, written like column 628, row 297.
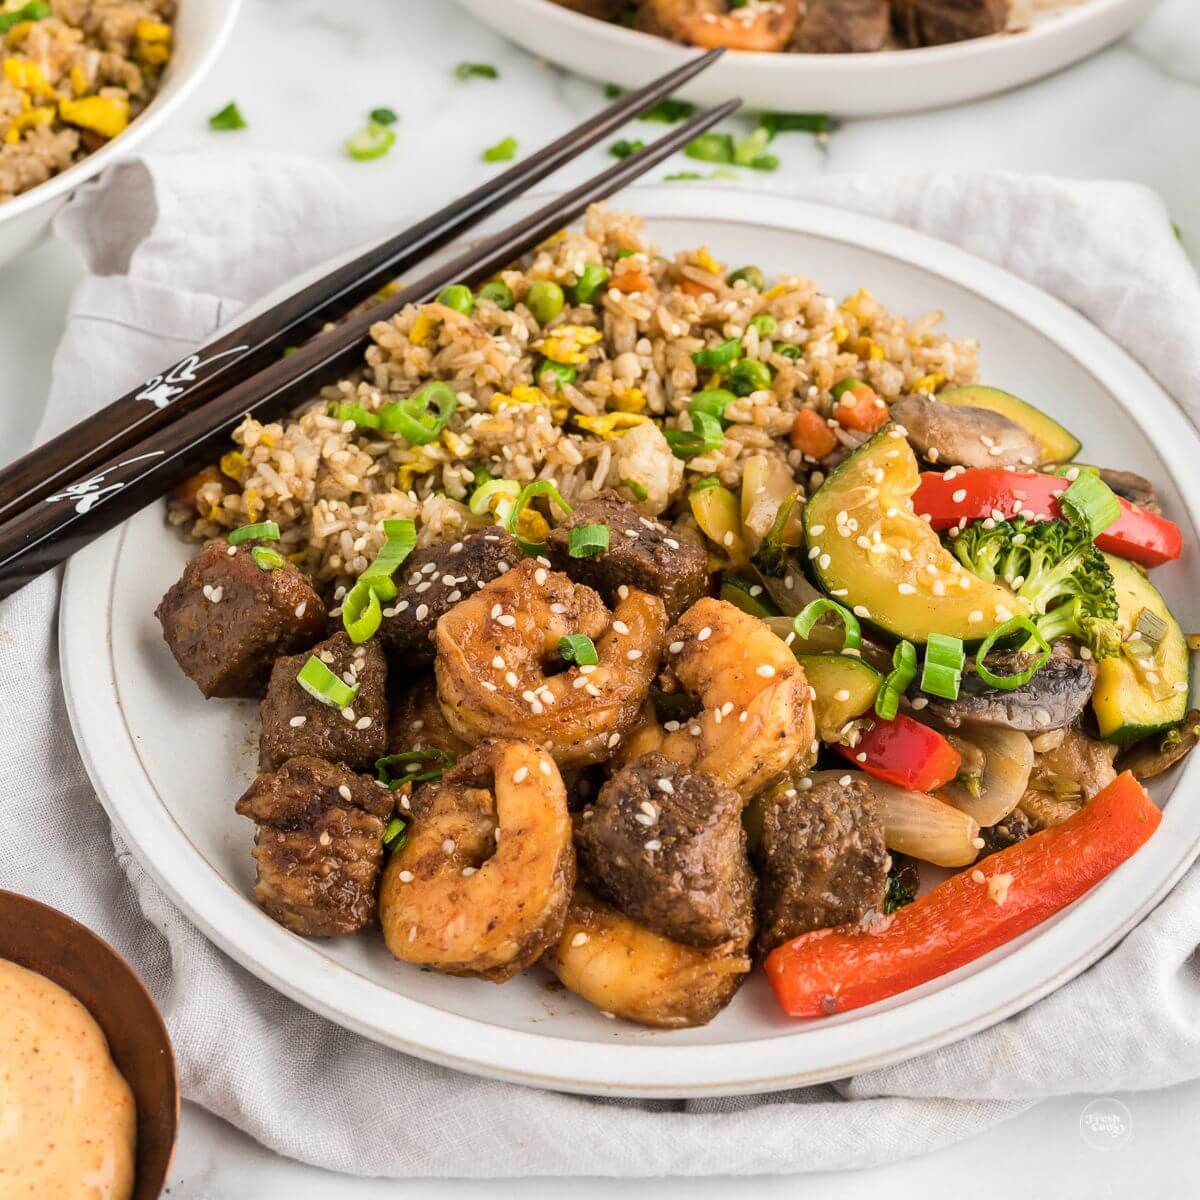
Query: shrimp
column 762, row 25
column 757, row 711
column 482, row 886
column 760, row 717
column 631, row 972
column 494, row 650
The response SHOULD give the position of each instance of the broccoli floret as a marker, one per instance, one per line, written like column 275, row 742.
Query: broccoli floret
column 1055, row 568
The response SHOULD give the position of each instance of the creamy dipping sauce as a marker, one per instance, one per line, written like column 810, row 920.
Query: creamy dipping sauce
column 67, row 1116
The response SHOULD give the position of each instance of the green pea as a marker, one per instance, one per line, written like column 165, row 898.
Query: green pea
column 718, row 356
column 458, row 297
column 751, row 276
column 788, row 350
column 500, row 294
column 765, row 324
column 748, row 376
column 545, row 300
column 591, row 280
column 563, row 373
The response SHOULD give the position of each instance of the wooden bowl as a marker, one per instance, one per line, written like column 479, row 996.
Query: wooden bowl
column 44, row 940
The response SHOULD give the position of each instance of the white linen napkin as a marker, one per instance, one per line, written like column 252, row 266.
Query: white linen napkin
column 177, row 244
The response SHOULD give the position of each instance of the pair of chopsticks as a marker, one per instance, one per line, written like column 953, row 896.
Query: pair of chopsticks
column 64, row 494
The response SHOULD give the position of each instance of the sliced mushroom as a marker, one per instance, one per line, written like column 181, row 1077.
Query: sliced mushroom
column 960, row 436
column 1008, row 760
column 1137, row 489
column 1052, row 699
column 1156, row 755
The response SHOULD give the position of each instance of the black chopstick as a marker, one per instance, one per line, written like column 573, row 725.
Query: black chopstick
column 45, row 534
column 242, row 352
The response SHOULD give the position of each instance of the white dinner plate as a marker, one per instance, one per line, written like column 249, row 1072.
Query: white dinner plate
column 168, row 766
column 849, row 85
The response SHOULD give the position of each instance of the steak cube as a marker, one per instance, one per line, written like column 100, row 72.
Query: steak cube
column 642, row 553
column 295, row 723
column 432, row 581
column 226, row 620
column 666, row 846
column 822, row 859
column 319, row 846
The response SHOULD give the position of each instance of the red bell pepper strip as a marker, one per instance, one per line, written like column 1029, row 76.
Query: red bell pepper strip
column 906, row 753
column 953, row 498
column 834, row 970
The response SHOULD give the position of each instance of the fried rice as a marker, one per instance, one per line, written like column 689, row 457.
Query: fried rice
column 74, row 74
column 329, row 483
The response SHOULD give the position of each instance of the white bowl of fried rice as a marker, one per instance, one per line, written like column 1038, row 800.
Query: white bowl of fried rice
column 84, row 82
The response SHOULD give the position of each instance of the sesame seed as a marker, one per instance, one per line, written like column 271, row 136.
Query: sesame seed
column 448, row 846
column 363, row 723
column 539, row 576
column 488, row 685
column 423, row 587
column 824, row 561
column 643, row 818
column 580, row 939
column 978, row 876
column 817, row 530
column 231, row 550
column 765, row 670
column 496, row 611
column 558, row 609
column 704, row 634
column 920, row 702
column 592, row 690
column 325, row 839
column 744, row 717
column 620, row 626
column 498, row 663
column 623, row 592
column 296, row 722
column 959, row 496
column 348, row 714
column 675, row 647
column 507, row 620
column 653, row 844
column 974, row 616
column 665, row 785
column 520, row 774
column 633, row 655
column 467, row 872
column 422, row 612
column 844, row 781
column 613, row 739
column 861, row 610
column 406, row 877
column 841, row 695
column 671, row 542
column 511, row 679
column 344, row 791
column 402, row 606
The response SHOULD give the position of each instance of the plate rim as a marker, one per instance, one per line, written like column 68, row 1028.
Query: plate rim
column 776, row 1062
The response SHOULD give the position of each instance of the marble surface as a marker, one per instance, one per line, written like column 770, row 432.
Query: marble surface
column 304, row 72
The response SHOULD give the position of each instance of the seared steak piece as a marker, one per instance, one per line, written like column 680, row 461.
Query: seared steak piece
column 295, row 723
column 417, row 721
column 933, row 22
column 226, row 620
column 842, row 27
column 821, row 857
column 642, row 553
column 666, row 846
column 433, row 580
column 319, row 846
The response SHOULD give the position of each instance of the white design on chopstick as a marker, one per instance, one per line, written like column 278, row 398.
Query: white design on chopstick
column 162, row 389
column 87, row 493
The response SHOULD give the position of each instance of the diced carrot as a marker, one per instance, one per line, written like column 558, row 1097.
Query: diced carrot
column 861, row 409
column 632, row 281
column 187, row 491
column 694, row 288
column 811, row 435
column 970, row 914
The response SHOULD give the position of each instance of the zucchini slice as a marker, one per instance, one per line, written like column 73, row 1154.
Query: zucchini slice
column 845, row 688
column 1058, row 444
column 873, row 554
column 1128, row 705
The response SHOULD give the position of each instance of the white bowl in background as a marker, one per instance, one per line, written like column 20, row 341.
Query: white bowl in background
column 849, row 85
column 201, row 30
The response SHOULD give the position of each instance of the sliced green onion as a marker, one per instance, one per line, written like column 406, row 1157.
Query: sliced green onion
column 412, row 418
column 504, row 150
column 539, row 487
column 748, row 376
column 713, row 401
column 612, row 90
column 625, row 147
column 1150, row 627
column 578, row 648
column 812, row 612
column 846, row 385
column 395, row 836
column 702, row 485
column 1091, row 503
column 944, row 662
column 36, row 10
column 636, row 490
column 384, row 116
column 765, row 324
column 323, row 685
column 718, row 356
column 470, row 70
column 748, row 149
column 400, row 534
column 789, row 350
column 711, row 147
column 1008, row 683
column 411, row 760
column 360, row 417
column 229, row 118
column 681, row 176
column 362, row 614
column 592, row 278
column 704, row 437
column 669, row 111
column 268, row 559
column 584, row 541
column 895, row 684
column 778, row 122
column 564, row 373
column 372, row 141
column 481, row 497
column 262, row 531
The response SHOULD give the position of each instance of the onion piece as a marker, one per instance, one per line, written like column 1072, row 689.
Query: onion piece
column 1008, row 758
column 925, row 827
